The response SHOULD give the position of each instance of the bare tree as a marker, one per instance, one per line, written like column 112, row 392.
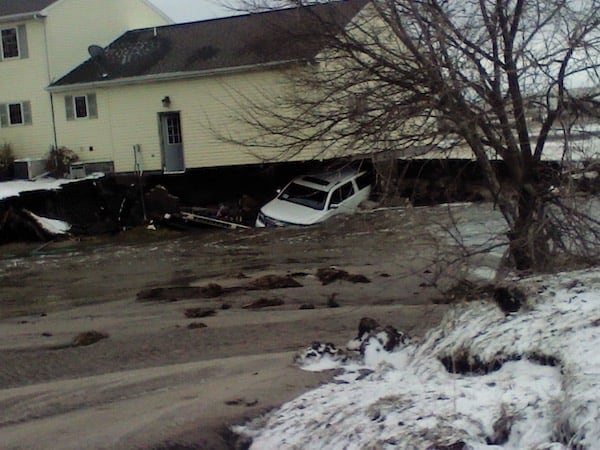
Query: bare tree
column 497, row 78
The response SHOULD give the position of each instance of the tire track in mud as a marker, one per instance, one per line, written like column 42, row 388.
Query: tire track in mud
column 22, row 404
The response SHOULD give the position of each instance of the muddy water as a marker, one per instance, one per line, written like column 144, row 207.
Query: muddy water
column 38, row 279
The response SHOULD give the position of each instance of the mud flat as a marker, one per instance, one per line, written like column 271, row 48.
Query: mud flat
column 155, row 376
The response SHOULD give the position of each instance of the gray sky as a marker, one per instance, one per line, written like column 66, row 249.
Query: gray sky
column 190, row 10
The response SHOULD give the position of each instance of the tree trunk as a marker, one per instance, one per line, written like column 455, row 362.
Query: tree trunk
column 529, row 238
column 386, row 169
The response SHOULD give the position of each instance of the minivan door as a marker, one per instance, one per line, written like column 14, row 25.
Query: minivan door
column 340, row 201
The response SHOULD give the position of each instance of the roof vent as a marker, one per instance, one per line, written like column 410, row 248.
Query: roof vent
column 99, row 58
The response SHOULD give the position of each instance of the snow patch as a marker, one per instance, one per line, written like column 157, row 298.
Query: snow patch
column 319, row 357
column 51, row 226
column 15, row 187
column 543, row 393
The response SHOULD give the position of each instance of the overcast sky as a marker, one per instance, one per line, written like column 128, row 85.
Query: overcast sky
column 190, row 10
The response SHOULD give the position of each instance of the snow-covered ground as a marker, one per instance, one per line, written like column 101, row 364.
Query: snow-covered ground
column 15, row 187
column 584, row 146
column 541, row 389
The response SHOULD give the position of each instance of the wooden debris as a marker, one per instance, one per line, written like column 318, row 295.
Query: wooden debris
column 328, row 275
column 272, row 282
column 307, row 306
column 211, row 290
column 263, row 303
column 88, row 338
column 199, row 312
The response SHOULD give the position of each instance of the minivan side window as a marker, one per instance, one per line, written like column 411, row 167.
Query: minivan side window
column 363, row 181
column 342, row 193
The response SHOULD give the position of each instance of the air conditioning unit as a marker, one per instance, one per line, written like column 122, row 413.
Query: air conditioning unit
column 83, row 169
column 27, row 169
column 77, row 170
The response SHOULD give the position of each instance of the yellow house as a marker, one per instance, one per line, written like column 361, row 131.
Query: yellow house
column 41, row 40
column 164, row 99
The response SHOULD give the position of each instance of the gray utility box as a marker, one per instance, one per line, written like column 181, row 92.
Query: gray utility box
column 26, row 169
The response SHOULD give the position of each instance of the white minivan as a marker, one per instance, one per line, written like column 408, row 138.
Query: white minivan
column 310, row 199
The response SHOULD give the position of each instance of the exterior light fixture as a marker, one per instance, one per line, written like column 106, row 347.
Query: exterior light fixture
column 166, row 101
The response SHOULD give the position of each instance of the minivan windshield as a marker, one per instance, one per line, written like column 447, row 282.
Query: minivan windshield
column 304, row 195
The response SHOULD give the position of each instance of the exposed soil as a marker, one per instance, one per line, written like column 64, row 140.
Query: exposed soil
column 154, row 378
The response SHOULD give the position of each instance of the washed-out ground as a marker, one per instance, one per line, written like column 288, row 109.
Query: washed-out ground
column 161, row 379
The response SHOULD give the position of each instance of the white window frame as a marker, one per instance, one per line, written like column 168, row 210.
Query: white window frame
column 5, row 58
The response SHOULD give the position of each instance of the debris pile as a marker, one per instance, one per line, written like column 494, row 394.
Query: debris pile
column 89, row 206
column 174, row 293
column 268, row 282
column 264, row 303
column 214, row 290
column 328, row 275
column 199, row 312
column 88, row 338
column 372, row 338
column 22, row 224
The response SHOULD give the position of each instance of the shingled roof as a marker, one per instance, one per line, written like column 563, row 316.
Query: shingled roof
column 232, row 43
column 18, row 7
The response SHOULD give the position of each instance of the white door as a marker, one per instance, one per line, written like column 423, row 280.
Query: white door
column 171, row 142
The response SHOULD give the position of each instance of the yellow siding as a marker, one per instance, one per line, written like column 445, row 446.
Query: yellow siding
column 141, row 14
column 24, row 80
column 128, row 115
column 57, row 44
column 73, row 25
column 89, row 138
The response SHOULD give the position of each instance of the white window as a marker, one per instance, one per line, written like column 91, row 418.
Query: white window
column 81, row 106
column 13, row 43
column 13, row 114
